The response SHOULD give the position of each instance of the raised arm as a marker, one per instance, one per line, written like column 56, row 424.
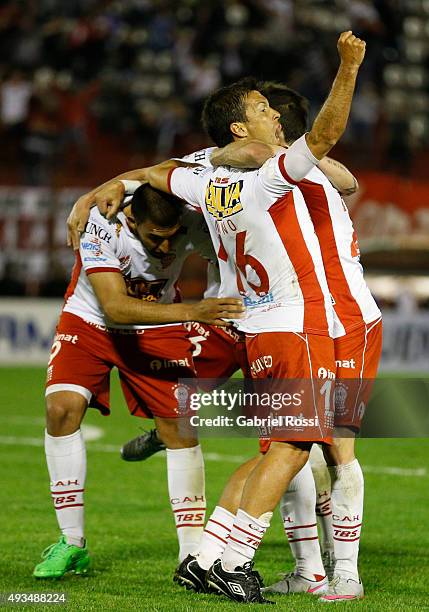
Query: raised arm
column 331, row 121
column 340, row 176
column 122, row 309
column 249, row 153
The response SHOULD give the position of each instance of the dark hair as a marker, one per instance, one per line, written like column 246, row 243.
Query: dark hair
column 224, row 106
column 293, row 108
column 161, row 208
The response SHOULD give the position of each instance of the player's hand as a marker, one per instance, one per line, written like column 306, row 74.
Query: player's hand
column 214, row 310
column 109, row 199
column 77, row 219
column 351, row 49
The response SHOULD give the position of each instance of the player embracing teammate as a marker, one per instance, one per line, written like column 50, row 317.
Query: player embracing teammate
column 273, row 236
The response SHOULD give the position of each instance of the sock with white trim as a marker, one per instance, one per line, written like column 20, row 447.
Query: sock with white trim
column 297, row 508
column 322, row 480
column 347, row 514
column 185, row 468
column 246, row 535
column 214, row 538
column 66, row 459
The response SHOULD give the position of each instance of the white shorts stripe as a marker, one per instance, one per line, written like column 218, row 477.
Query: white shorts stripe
column 87, row 394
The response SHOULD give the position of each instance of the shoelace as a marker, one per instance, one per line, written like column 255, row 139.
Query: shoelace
column 334, row 582
column 54, row 550
column 258, row 578
column 254, row 582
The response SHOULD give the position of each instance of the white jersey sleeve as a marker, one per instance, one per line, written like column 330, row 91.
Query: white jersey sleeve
column 189, row 184
column 202, row 157
column 98, row 245
column 283, row 172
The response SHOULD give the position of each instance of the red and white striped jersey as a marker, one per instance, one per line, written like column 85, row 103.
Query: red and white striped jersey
column 353, row 303
column 267, row 248
column 110, row 246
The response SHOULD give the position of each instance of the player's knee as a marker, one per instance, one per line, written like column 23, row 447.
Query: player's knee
column 63, row 415
column 175, row 433
column 295, row 453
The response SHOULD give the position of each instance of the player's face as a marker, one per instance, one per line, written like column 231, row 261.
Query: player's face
column 157, row 240
column 262, row 121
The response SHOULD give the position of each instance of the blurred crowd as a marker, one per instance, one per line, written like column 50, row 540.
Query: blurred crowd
column 134, row 73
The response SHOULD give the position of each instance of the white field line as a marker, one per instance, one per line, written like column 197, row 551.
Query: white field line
column 90, row 432
column 216, row 457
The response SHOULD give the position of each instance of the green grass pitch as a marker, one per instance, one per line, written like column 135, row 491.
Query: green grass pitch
column 130, row 528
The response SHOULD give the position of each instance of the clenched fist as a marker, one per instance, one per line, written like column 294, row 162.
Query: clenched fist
column 351, row 49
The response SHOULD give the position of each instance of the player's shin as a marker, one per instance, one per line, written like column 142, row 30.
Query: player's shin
column 186, row 488
column 66, row 459
column 214, row 538
column 246, row 535
column 322, row 480
column 297, row 508
column 347, row 514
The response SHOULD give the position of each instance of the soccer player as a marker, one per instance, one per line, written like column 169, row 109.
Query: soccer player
column 267, row 247
column 119, row 311
column 357, row 352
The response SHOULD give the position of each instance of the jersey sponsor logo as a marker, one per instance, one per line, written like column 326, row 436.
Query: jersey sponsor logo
column 95, row 230
column 94, row 247
column 223, row 200
column 346, row 363
column 195, row 326
column 265, row 299
column 66, row 338
column 158, row 364
column 86, row 259
column 324, row 373
column 261, row 363
column 143, row 289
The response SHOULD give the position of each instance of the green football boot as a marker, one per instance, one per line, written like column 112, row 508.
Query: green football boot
column 61, row 558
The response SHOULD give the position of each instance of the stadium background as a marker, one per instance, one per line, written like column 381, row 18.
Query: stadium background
column 92, row 88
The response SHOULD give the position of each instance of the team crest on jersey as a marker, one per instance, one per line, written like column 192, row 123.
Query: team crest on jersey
column 223, row 200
